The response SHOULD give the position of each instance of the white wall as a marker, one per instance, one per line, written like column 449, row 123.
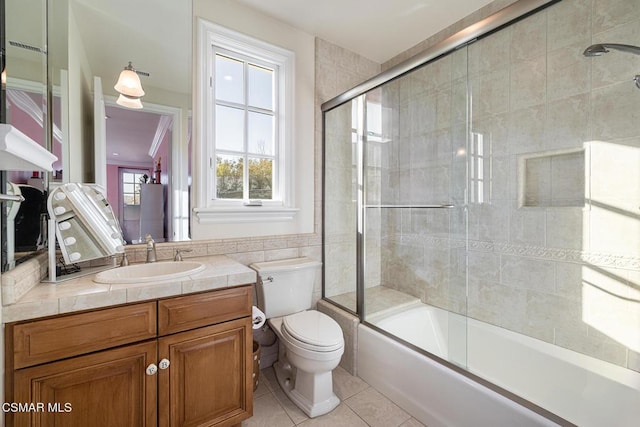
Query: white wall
column 80, row 167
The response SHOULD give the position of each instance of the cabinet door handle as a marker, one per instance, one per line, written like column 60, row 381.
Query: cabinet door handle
column 164, row 364
column 152, row 369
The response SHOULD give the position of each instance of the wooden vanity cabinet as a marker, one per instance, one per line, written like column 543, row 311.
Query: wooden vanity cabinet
column 189, row 365
column 107, row 388
column 208, row 382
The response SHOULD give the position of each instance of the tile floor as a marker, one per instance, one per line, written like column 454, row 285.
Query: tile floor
column 361, row 405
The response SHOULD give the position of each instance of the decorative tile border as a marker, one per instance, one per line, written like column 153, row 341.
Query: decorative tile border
column 530, row 251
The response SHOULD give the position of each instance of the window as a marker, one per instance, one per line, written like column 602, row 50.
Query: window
column 480, row 170
column 131, row 180
column 247, row 146
column 246, row 127
column 249, row 124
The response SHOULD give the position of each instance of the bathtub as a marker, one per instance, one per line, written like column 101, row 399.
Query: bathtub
column 578, row 388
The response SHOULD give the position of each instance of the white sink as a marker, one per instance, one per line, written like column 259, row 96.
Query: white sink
column 151, row 272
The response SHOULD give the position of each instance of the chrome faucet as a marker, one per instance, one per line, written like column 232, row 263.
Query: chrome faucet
column 179, row 253
column 125, row 260
column 151, row 249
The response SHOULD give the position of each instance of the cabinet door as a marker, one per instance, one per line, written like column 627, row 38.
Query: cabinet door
column 105, row 389
column 209, row 379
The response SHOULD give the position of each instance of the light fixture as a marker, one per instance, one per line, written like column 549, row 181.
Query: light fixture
column 129, row 83
column 129, row 102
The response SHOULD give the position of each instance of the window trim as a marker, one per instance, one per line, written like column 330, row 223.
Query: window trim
column 210, row 209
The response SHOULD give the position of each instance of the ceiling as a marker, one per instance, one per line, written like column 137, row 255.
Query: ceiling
column 367, row 27
column 130, row 134
column 375, row 29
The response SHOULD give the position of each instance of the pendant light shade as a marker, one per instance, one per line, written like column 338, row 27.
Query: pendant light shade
column 129, row 102
column 129, row 83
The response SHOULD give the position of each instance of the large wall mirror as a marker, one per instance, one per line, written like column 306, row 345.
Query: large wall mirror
column 141, row 155
column 25, row 92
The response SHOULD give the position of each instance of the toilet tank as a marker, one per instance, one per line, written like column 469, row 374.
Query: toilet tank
column 286, row 286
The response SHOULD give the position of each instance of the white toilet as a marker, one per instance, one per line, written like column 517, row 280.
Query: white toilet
column 311, row 343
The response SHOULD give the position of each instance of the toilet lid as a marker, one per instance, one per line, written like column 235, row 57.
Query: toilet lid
column 314, row 329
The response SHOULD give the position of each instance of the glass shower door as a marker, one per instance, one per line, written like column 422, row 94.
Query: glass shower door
column 414, row 214
column 342, row 145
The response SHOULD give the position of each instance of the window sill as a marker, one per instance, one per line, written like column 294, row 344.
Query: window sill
column 244, row 214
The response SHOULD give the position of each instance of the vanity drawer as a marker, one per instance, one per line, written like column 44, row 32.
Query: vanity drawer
column 193, row 311
column 61, row 337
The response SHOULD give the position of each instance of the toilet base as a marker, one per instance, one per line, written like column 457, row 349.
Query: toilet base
column 313, row 394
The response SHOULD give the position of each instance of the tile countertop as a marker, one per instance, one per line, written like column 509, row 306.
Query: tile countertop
column 82, row 293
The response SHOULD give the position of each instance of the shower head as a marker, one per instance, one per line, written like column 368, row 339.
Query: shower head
column 601, row 49
column 595, row 50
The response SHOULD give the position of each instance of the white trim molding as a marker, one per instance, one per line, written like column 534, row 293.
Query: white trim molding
column 244, row 214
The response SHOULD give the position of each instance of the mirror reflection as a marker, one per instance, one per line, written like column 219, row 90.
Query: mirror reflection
column 89, row 43
column 25, row 108
column 153, row 140
column 138, row 152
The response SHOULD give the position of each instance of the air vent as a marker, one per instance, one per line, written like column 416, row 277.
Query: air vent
column 25, row 46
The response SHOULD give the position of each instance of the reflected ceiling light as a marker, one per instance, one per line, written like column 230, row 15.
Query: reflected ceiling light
column 129, row 102
column 129, row 83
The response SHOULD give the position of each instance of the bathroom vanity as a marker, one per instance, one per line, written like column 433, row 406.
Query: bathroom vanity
column 175, row 353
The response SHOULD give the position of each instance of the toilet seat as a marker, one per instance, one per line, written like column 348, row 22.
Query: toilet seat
column 313, row 330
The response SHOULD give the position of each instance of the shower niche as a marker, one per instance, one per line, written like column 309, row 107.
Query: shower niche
column 553, row 179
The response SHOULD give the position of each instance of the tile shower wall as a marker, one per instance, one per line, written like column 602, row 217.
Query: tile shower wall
column 564, row 266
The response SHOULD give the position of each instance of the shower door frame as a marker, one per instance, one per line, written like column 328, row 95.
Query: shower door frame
column 495, row 22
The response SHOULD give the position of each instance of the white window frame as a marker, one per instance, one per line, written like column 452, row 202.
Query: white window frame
column 210, row 209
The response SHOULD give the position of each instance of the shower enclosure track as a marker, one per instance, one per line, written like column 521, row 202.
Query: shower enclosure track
column 515, row 11
column 409, row 206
